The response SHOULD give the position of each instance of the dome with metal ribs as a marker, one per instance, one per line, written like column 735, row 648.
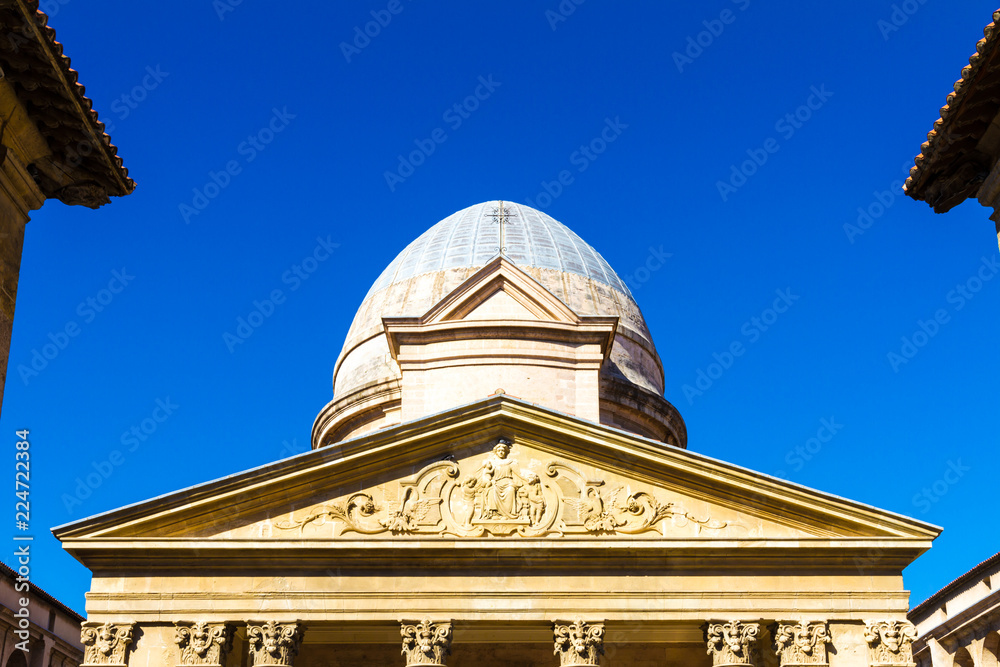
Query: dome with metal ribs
column 451, row 251
column 471, row 238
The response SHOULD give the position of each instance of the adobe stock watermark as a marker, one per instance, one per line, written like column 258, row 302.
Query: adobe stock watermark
column 123, row 106
column 294, row 277
column 898, row 17
column 882, row 201
column 454, row 116
column 927, row 329
column 248, row 149
column 798, row 456
column 128, row 102
column 714, row 28
column 292, row 448
column 364, row 34
column 24, row 35
column 786, row 126
column 933, row 493
column 562, row 12
column 223, row 7
column 581, row 158
column 751, row 330
column 642, row 273
column 132, row 439
column 87, row 310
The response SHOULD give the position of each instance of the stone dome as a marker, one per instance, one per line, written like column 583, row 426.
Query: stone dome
column 454, row 249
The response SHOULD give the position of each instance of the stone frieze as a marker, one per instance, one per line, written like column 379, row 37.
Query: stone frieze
column 497, row 497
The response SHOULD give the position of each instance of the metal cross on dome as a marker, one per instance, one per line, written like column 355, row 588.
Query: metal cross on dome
column 501, row 215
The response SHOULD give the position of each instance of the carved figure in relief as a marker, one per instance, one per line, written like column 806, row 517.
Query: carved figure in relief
column 202, row 643
column 273, row 643
column 425, row 642
column 495, row 497
column 732, row 643
column 802, row 643
column 578, row 644
column 499, row 484
column 106, row 644
column 889, row 642
column 535, row 499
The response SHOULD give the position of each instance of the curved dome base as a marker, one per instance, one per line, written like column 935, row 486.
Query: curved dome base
column 377, row 406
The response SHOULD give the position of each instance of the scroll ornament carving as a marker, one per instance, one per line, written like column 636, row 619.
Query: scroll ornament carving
column 106, row 644
column 496, row 497
column 426, row 643
column 890, row 642
column 579, row 643
column 274, row 643
column 802, row 643
column 203, row 643
column 732, row 643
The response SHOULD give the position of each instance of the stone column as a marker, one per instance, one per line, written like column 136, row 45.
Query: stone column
column 890, row 643
column 801, row 643
column 106, row 644
column 47, row 645
column 579, row 644
column 732, row 643
column 425, row 642
column 273, row 643
column 203, row 643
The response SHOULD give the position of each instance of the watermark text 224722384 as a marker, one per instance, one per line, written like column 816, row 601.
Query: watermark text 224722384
column 22, row 517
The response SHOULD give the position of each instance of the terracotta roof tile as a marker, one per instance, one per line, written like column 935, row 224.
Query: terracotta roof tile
column 34, row 63
column 958, row 583
column 941, row 138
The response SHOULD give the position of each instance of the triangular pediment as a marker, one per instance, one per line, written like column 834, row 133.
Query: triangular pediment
column 500, row 297
column 498, row 286
column 527, row 490
column 500, row 305
column 441, row 479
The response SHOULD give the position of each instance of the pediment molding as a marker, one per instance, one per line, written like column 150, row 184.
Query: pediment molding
column 499, row 274
column 452, row 318
column 196, row 515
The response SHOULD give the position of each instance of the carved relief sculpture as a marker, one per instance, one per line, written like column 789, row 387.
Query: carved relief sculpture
column 579, row 643
column 499, row 498
column 106, row 644
column 733, row 643
column 426, row 643
column 274, row 643
column 499, row 492
column 203, row 643
column 890, row 642
column 802, row 643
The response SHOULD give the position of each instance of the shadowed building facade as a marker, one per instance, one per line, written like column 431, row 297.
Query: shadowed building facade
column 961, row 157
column 959, row 626
column 498, row 480
column 41, row 633
column 52, row 146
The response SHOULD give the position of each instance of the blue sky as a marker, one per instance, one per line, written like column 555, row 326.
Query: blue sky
column 256, row 137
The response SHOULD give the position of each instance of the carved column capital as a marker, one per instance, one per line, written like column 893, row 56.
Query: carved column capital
column 732, row 643
column 579, row 643
column 106, row 644
column 425, row 642
column 890, row 643
column 203, row 643
column 273, row 643
column 801, row 643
